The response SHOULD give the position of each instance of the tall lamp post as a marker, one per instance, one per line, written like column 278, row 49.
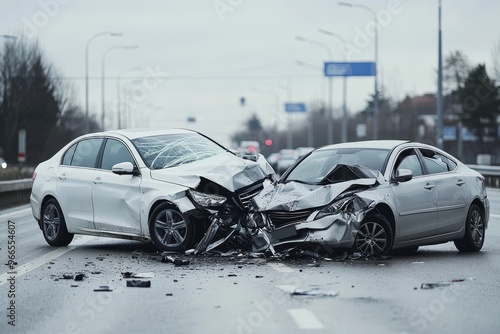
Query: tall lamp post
column 105, row 33
column 118, row 91
column 439, row 130
column 344, row 88
column 310, row 135
column 103, row 76
column 376, row 97
column 330, row 87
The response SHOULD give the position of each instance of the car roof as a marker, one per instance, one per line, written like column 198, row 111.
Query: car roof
column 138, row 133
column 381, row 144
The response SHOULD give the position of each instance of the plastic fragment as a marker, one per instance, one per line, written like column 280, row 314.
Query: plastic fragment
column 142, row 275
column 79, row 276
column 136, row 283
column 103, row 288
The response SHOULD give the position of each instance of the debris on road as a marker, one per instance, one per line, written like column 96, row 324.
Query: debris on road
column 67, row 276
column 103, row 288
column 434, row 285
column 79, row 276
column 176, row 261
column 136, row 283
column 142, row 275
column 313, row 292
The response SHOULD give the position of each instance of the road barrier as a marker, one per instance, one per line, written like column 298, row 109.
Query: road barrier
column 17, row 192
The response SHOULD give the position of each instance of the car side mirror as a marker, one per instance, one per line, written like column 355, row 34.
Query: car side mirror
column 125, row 168
column 403, row 175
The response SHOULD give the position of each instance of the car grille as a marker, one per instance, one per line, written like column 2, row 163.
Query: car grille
column 248, row 193
column 281, row 218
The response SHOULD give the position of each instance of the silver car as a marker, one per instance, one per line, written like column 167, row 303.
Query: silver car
column 161, row 186
column 376, row 196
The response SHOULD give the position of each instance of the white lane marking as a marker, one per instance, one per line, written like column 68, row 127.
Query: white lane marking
column 305, row 319
column 280, row 267
column 494, row 215
column 18, row 223
column 32, row 265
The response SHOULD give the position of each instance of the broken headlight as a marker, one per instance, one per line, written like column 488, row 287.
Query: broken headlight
column 207, row 200
column 334, row 208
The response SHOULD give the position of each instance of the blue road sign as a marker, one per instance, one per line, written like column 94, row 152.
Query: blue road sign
column 295, row 107
column 349, row 69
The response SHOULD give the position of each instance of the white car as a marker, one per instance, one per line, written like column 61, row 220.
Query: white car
column 159, row 186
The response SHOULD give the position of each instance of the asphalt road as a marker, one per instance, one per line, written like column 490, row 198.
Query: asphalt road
column 243, row 295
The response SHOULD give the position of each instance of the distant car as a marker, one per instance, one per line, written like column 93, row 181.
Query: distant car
column 272, row 159
column 376, row 196
column 160, row 186
column 3, row 163
column 286, row 160
column 301, row 151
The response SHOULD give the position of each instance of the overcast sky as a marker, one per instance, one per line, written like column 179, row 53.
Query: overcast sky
column 198, row 57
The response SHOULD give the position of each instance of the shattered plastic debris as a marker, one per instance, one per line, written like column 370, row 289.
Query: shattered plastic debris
column 136, row 283
column 127, row 274
column 314, row 292
column 176, row 261
column 79, row 276
column 434, row 285
column 143, row 275
column 67, row 276
column 103, row 288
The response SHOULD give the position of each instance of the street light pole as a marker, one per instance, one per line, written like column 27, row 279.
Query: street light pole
column 344, row 91
column 103, row 77
column 376, row 97
column 329, row 130
column 87, row 73
column 439, row 130
column 118, row 92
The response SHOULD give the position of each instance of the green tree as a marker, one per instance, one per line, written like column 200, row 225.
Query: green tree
column 479, row 99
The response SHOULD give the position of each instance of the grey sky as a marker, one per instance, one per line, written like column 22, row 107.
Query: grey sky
column 211, row 52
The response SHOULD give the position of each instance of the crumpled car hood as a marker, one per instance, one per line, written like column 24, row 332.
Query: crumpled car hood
column 227, row 170
column 293, row 196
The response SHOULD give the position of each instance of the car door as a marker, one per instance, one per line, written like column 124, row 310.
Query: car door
column 74, row 183
column 451, row 190
column 415, row 200
column 116, row 198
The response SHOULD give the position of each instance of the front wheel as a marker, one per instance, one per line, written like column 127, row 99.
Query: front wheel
column 374, row 236
column 170, row 230
column 54, row 226
column 474, row 231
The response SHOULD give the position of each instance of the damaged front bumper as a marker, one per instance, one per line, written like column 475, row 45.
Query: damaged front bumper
column 333, row 226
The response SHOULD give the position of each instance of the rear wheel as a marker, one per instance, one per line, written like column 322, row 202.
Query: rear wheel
column 474, row 231
column 374, row 236
column 54, row 226
column 170, row 230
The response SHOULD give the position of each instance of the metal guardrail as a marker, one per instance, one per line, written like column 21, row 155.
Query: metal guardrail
column 15, row 192
column 491, row 174
column 18, row 191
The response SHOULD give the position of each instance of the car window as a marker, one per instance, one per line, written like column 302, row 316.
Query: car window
column 172, row 150
column 316, row 166
column 409, row 160
column 68, row 156
column 436, row 163
column 115, row 152
column 86, row 153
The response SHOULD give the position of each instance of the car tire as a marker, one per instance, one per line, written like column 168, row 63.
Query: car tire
column 473, row 239
column 53, row 225
column 374, row 236
column 169, row 229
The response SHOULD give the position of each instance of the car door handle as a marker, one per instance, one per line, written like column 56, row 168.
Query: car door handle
column 429, row 186
column 62, row 176
column 460, row 182
column 97, row 180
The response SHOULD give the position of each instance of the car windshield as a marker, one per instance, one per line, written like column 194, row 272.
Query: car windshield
column 319, row 164
column 172, row 150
